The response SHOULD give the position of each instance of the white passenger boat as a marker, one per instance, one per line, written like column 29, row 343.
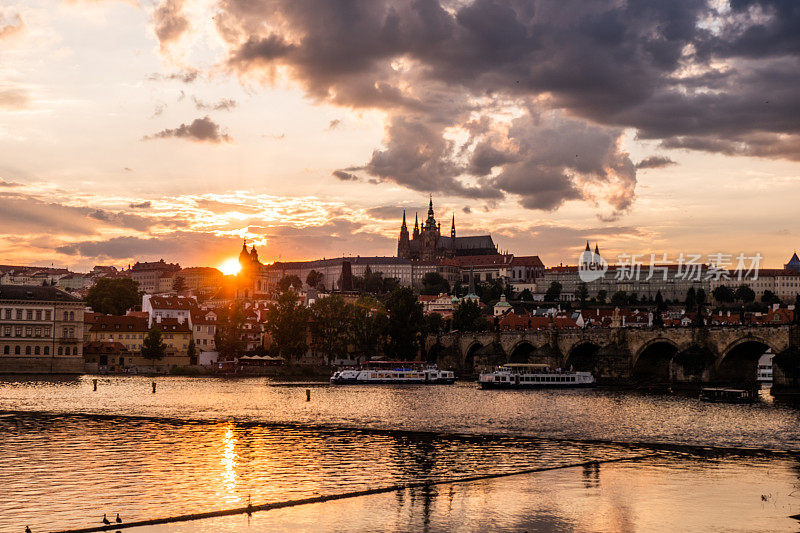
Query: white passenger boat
column 532, row 376
column 393, row 372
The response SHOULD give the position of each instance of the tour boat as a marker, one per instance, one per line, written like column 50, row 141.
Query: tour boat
column 393, row 372
column 532, row 376
column 724, row 395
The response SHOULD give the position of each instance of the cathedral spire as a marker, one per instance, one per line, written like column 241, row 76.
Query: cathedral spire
column 453, row 227
column 587, row 247
column 404, row 220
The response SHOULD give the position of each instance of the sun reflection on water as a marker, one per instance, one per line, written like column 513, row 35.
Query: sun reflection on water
column 229, row 461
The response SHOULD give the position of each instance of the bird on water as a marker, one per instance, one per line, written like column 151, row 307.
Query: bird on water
column 106, row 521
column 119, row 520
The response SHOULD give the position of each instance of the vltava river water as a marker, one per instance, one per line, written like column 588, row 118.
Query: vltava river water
column 69, row 454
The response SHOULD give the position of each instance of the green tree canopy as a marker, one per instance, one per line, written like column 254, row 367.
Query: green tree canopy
column 230, row 329
column 113, row 296
column 153, row 346
column 770, row 298
column 745, row 294
column 405, row 323
column 179, row 284
column 619, row 299
column 314, row 278
column 691, row 299
column 582, row 293
column 602, row 294
column 434, row 283
column 369, row 323
column 191, row 351
column 331, row 326
column 287, row 324
column 467, row 316
column 553, row 293
column 723, row 294
column 290, row 281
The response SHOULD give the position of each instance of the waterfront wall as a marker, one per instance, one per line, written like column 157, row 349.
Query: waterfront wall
column 41, row 365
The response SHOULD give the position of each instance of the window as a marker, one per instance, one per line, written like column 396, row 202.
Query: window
column 8, row 314
column 19, row 314
column 29, row 314
column 47, row 350
column 27, row 350
column 47, row 315
column 47, row 331
column 6, row 349
column 37, row 351
column 16, row 350
column 18, row 331
column 28, row 331
column 71, row 315
column 38, row 314
column 60, row 350
column 67, row 351
column 7, row 331
column 37, row 332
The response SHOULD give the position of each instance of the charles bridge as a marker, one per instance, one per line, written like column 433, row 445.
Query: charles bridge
column 675, row 355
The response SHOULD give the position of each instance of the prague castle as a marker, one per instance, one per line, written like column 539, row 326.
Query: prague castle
column 427, row 243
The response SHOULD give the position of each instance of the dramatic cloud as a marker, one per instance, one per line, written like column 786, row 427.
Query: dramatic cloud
column 655, row 161
column 344, row 176
column 693, row 74
column 14, row 98
column 10, row 25
column 4, row 183
column 169, row 22
column 142, row 205
column 200, row 130
column 226, row 104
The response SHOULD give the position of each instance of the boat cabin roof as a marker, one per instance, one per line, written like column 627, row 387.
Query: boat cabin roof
column 536, row 366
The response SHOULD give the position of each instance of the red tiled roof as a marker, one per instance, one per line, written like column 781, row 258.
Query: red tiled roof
column 527, row 260
column 172, row 302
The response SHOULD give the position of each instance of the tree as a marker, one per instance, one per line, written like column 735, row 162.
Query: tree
column 434, row 283
column 191, row 351
column 405, row 323
column 744, row 294
column 179, row 285
column 526, row 295
column 660, row 305
column 491, row 291
column 434, row 324
column 287, row 324
column 153, row 346
column 619, row 299
column 113, row 296
column 723, row 294
column 691, row 299
column 314, row 278
column 633, row 298
column 582, row 293
column 467, row 316
column 289, row 281
column 228, row 334
column 701, row 297
column 601, row 296
column 369, row 323
column 770, row 298
column 331, row 326
column 796, row 312
column 553, row 293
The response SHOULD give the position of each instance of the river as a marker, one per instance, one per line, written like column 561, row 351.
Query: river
column 68, row 454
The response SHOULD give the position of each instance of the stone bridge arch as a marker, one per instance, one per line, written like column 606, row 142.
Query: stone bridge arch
column 583, row 356
column 738, row 361
column 652, row 363
column 521, row 352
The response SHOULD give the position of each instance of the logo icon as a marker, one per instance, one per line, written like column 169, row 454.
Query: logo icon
column 591, row 266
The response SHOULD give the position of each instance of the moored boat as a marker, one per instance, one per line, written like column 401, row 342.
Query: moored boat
column 393, row 372
column 727, row 395
column 533, row 376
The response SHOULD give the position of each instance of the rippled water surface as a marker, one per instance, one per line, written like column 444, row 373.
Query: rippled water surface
column 69, row 454
column 461, row 408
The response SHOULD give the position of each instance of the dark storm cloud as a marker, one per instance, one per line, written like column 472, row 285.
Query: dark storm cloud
column 655, row 161
column 169, row 22
column 200, row 130
column 344, row 176
column 690, row 73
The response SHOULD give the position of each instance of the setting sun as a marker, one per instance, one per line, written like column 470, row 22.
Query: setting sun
column 230, row 267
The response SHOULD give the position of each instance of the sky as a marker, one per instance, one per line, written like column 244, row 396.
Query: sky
column 138, row 130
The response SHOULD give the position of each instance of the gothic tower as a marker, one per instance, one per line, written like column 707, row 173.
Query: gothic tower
column 403, row 244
